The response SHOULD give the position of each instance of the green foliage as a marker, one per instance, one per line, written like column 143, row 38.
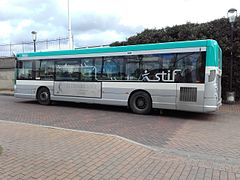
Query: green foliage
column 219, row 30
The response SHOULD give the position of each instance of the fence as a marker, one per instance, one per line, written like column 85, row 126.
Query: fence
column 8, row 50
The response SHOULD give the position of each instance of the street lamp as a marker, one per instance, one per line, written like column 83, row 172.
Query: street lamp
column 232, row 14
column 34, row 38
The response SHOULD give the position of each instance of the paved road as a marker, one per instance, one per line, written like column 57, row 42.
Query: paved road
column 34, row 153
column 214, row 136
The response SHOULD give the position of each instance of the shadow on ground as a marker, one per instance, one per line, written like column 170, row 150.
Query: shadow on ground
column 183, row 115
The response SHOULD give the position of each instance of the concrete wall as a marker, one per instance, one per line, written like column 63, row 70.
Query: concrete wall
column 7, row 73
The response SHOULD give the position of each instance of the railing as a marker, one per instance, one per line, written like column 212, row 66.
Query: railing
column 8, row 50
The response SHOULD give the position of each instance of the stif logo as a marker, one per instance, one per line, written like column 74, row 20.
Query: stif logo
column 165, row 76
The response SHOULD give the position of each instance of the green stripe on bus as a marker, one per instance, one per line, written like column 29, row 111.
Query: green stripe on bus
column 211, row 45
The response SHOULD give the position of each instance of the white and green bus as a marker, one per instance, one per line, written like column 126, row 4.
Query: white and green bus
column 183, row 75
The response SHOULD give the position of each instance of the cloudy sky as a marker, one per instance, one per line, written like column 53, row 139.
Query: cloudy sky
column 97, row 22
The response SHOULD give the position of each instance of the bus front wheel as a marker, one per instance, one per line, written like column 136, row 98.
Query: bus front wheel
column 140, row 102
column 43, row 96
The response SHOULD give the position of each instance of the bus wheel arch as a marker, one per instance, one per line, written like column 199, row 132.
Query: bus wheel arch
column 140, row 101
column 43, row 95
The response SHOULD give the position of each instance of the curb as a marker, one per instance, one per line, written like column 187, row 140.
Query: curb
column 6, row 94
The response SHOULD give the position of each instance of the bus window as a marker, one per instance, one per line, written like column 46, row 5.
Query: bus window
column 114, row 68
column 167, row 61
column 25, row 70
column 98, row 68
column 67, row 70
column 150, row 64
column 47, row 70
column 192, row 66
column 133, row 69
column 87, row 69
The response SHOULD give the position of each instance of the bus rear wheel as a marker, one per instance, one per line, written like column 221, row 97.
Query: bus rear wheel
column 43, row 96
column 140, row 103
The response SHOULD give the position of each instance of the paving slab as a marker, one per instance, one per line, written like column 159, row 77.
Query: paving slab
column 35, row 152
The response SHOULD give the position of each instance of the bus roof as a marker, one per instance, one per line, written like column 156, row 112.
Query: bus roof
column 129, row 48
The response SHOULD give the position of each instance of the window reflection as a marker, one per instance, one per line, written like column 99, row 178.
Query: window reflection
column 133, row 68
column 113, row 68
column 46, row 70
column 88, row 69
column 67, row 70
column 192, row 67
column 25, row 70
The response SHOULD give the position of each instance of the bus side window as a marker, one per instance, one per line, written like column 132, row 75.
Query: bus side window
column 25, row 70
column 47, row 70
column 67, row 70
column 133, row 68
column 114, row 68
column 192, row 67
column 88, row 69
column 98, row 68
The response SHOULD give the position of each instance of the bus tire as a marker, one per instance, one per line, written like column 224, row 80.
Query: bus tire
column 140, row 103
column 43, row 96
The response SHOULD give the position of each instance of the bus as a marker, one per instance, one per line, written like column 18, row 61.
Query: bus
column 183, row 75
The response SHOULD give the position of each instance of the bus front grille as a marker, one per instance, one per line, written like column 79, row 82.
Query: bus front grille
column 188, row 94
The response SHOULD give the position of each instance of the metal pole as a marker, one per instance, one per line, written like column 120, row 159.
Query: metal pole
column 231, row 93
column 231, row 62
column 70, row 39
column 232, row 14
column 59, row 43
column 34, row 45
column 34, row 37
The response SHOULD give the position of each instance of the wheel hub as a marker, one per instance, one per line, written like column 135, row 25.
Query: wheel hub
column 44, row 96
column 141, row 103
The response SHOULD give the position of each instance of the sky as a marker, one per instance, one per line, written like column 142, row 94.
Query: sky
column 98, row 22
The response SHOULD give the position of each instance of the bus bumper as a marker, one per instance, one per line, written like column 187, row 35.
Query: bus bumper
column 212, row 108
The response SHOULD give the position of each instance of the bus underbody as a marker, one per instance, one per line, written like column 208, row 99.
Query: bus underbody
column 141, row 97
